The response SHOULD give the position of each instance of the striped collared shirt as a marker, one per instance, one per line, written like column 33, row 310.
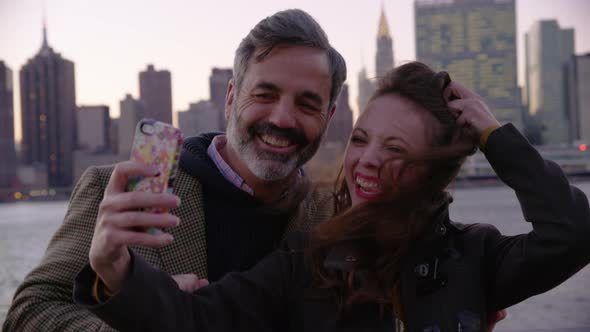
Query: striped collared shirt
column 228, row 173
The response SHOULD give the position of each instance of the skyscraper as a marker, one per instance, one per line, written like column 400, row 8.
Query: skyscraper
column 578, row 88
column 324, row 165
column 199, row 118
column 94, row 125
column 218, row 82
column 341, row 123
column 7, row 152
column 366, row 88
column 475, row 41
column 384, row 57
column 48, row 102
column 155, row 93
column 383, row 63
column 548, row 49
column 130, row 110
column 114, row 136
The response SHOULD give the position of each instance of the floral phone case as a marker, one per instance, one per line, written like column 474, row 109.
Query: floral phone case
column 156, row 144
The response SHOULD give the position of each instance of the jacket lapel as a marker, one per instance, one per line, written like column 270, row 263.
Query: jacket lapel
column 188, row 252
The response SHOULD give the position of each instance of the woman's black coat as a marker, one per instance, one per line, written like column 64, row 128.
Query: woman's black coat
column 461, row 272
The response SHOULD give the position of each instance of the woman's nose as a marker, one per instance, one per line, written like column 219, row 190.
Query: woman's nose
column 371, row 157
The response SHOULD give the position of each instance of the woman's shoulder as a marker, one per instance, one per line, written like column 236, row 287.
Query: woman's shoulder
column 474, row 229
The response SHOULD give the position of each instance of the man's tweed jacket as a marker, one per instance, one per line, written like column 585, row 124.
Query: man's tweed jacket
column 44, row 301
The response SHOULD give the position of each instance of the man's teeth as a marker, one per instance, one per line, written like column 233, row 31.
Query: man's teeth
column 275, row 141
column 367, row 185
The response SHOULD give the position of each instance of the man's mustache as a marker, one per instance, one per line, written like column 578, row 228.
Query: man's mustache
column 294, row 135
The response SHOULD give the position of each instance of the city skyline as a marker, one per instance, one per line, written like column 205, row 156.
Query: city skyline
column 107, row 64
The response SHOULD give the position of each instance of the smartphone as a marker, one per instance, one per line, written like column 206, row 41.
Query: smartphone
column 155, row 144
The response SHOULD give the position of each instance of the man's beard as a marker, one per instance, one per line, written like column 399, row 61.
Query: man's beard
column 267, row 165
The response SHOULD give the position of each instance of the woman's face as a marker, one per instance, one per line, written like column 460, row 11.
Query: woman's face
column 391, row 127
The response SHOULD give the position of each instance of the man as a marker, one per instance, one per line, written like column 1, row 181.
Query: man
column 236, row 195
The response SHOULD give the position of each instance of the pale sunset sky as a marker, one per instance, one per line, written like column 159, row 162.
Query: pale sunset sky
column 111, row 41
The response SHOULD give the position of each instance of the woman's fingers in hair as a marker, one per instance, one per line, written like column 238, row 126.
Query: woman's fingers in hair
column 473, row 112
column 456, row 90
column 468, row 108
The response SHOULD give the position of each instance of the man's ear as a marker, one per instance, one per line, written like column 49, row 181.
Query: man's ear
column 331, row 114
column 229, row 99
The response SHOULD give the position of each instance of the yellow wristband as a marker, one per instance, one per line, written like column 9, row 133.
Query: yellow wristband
column 95, row 290
column 483, row 139
column 99, row 291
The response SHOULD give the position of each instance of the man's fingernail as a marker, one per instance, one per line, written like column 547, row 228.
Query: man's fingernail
column 177, row 201
column 177, row 221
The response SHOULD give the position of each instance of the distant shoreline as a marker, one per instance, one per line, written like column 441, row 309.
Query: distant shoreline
column 459, row 183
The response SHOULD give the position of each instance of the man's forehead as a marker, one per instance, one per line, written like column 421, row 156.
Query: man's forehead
column 297, row 66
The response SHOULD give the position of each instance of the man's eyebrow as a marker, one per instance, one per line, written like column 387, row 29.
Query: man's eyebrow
column 267, row 86
column 316, row 98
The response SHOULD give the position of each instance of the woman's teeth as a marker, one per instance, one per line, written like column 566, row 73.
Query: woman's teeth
column 367, row 185
column 275, row 141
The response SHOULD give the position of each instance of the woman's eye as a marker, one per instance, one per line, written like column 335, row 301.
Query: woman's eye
column 357, row 139
column 395, row 149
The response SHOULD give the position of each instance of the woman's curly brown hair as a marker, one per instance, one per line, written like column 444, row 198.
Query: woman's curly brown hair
column 385, row 231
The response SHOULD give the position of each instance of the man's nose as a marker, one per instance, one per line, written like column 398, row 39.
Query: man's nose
column 283, row 114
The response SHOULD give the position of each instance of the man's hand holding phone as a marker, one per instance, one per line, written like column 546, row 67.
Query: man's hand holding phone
column 121, row 223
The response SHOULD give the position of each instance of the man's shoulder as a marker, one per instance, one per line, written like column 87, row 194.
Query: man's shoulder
column 94, row 177
column 102, row 174
column 322, row 195
column 319, row 204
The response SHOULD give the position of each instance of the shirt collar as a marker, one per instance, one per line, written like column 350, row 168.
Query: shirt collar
column 228, row 173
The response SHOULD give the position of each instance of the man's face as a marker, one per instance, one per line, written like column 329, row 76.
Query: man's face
column 281, row 112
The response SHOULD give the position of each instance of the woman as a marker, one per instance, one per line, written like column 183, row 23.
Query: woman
column 391, row 258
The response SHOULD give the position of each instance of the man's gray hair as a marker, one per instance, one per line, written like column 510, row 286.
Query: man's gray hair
column 292, row 27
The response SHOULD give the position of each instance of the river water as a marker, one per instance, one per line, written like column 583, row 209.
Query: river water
column 25, row 230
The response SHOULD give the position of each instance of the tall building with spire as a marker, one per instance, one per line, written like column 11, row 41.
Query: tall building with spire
column 48, row 103
column 384, row 58
column 8, row 159
column 155, row 94
column 384, row 62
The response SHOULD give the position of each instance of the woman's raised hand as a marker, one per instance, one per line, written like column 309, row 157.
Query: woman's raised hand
column 470, row 110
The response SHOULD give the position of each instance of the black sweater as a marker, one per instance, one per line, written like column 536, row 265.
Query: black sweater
column 241, row 230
